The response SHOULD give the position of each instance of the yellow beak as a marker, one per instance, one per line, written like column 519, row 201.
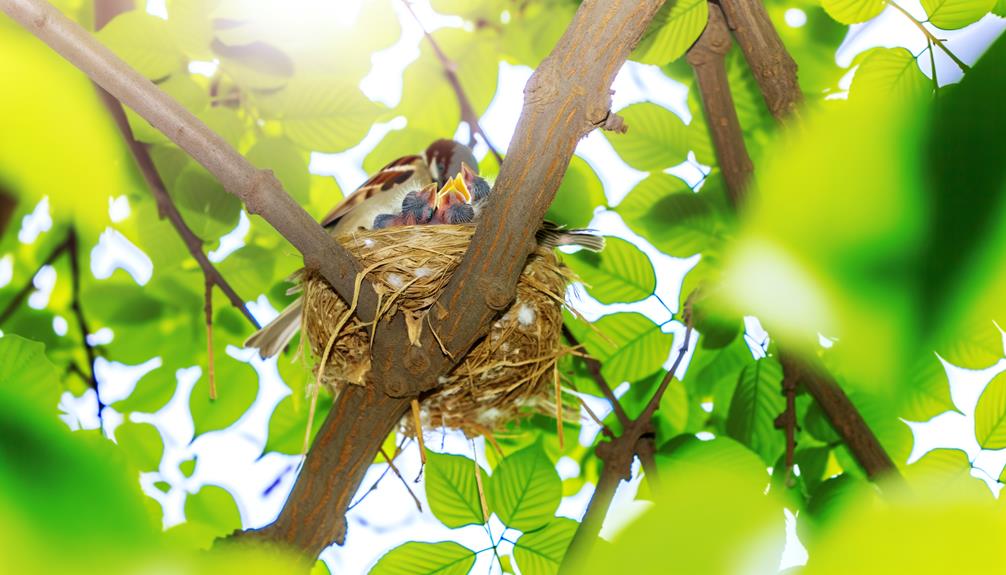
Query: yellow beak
column 456, row 184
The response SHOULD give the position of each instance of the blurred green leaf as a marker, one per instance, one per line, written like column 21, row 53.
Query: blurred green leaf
column 853, row 11
column 541, row 551
column 452, row 490
column 209, row 210
column 888, row 72
column 325, row 115
column 756, row 403
column 188, row 467
column 621, row 273
column 990, row 415
column 1000, row 8
column 190, row 24
column 210, row 513
column 443, row 558
column 25, row 368
column 955, row 14
column 485, row 10
column 665, row 211
column 249, row 270
column 672, row 31
column 628, row 345
column 688, row 454
column 657, row 138
column 144, row 42
column 288, row 424
column 226, row 122
column 525, row 489
column 141, row 443
column 237, row 386
column 579, row 194
column 947, row 470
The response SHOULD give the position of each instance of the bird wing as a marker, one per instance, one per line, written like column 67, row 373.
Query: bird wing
column 396, row 173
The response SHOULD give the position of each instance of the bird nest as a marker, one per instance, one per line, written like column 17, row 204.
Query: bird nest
column 509, row 372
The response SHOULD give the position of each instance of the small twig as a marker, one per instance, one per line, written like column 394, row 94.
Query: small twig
column 22, row 294
column 931, row 38
column 787, row 420
column 604, row 428
column 594, row 368
column 373, row 486
column 481, row 488
column 468, row 114
column 8, row 203
column 391, row 465
column 78, row 312
column 208, row 310
column 418, row 425
column 558, row 407
column 932, row 66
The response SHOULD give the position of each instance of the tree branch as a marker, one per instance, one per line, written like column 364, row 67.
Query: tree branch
column 78, row 312
column 773, row 67
column 22, row 294
column 260, row 191
column 931, row 38
column 468, row 114
column 707, row 58
column 594, row 368
column 776, row 72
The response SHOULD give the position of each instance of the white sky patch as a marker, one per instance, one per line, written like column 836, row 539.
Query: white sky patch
column 204, row 68
column 795, row 18
column 35, row 223
column 232, row 241
column 59, row 325
column 103, row 336
column 6, row 270
column 44, row 282
column 262, row 310
column 794, row 553
column 118, row 208
column 117, row 380
column 567, row 467
column 115, row 251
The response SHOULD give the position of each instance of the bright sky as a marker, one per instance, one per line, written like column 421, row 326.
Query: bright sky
column 388, row 516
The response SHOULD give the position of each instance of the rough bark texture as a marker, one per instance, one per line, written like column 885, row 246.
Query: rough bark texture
column 771, row 64
column 707, row 59
column 315, row 513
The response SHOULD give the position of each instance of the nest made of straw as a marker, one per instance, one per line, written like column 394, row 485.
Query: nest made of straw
column 512, row 370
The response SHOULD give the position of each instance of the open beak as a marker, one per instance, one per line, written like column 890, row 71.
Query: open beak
column 456, row 184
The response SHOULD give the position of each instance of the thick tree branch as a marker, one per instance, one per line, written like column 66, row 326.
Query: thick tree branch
column 773, row 67
column 468, row 114
column 260, row 191
column 707, row 57
column 777, row 78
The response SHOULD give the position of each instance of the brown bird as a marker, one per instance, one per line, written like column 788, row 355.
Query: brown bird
column 404, row 192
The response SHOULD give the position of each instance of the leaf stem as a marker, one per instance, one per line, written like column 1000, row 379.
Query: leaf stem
column 932, row 38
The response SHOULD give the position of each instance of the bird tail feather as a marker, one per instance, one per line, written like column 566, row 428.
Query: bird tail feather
column 552, row 236
column 271, row 339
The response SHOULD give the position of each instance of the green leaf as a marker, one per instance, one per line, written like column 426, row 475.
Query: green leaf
column 665, row 211
column 628, row 345
column 25, row 369
column 396, row 144
column 672, row 31
column 688, row 454
column 143, row 41
column 888, row 73
column 954, row 14
column 621, row 273
column 325, row 115
column 452, row 491
column 152, row 391
column 209, row 210
column 990, row 415
column 525, row 489
column 578, row 196
column 226, row 123
column 1000, row 8
column 484, row 10
column 817, row 425
column 415, row 558
column 237, row 387
column 541, row 551
column 210, row 513
column 188, row 467
column 142, row 444
column 657, row 138
column 288, row 423
column 756, row 403
column 946, row 471
column 853, row 11
column 249, row 270
column 190, row 23
column 428, row 100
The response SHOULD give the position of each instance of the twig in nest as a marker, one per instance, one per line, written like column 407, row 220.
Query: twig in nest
column 558, row 407
column 419, row 434
column 481, row 488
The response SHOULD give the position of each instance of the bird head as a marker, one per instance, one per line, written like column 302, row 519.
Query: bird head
column 445, row 158
column 477, row 186
column 419, row 206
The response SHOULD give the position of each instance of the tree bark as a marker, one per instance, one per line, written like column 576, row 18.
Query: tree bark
column 314, row 515
column 8, row 203
column 772, row 66
column 707, row 57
